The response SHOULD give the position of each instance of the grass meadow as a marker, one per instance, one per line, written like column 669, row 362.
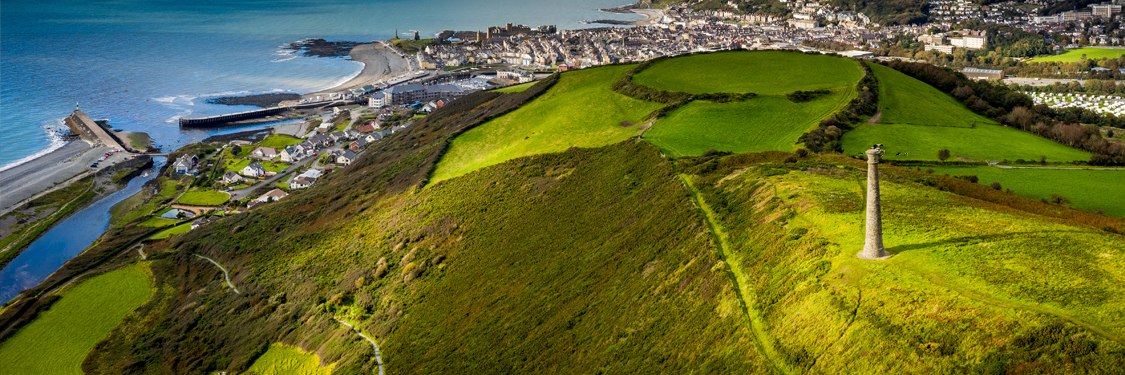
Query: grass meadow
column 287, row 360
column 173, row 231
column 1076, row 54
column 768, row 122
column 278, row 142
column 236, row 165
column 204, row 198
column 157, row 222
column 905, row 100
column 978, row 288
column 759, row 124
column 581, row 110
column 57, row 341
column 1087, row 189
column 515, row 88
column 759, row 72
column 984, row 142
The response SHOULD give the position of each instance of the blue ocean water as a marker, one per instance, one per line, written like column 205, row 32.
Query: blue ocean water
column 141, row 64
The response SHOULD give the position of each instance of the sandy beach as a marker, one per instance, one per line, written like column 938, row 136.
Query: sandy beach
column 35, row 176
column 379, row 63
column 651, row 16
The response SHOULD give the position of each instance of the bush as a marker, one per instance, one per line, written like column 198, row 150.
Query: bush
column 995, row 185
column 943, row 154
column 800, row 96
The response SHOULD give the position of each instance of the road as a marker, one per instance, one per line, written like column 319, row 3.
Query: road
column 1039, row 82
column 225, row 274
column 378, row 359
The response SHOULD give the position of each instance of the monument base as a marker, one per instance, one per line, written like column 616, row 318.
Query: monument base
column 863, row 255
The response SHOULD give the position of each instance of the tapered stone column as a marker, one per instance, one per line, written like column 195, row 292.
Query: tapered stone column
column 873, row 241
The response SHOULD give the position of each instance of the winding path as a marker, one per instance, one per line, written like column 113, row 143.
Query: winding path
column 378, row 359
column 225, row 273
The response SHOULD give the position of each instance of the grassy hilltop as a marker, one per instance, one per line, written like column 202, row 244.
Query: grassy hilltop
column 479, row 240
column 768, row 122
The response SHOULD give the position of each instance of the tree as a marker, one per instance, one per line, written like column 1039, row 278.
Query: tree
column 943, row 154
column 236, row 149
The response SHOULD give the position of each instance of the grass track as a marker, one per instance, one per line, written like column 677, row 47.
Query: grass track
column 1088, row 189
column 1076, row 54
column 287, row 360
column 581, row 110
column 57, row 341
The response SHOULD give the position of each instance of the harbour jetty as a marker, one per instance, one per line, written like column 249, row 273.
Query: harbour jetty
column 220, row 120
column 89, row 130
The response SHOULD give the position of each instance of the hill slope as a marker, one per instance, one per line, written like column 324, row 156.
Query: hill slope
column 579, row 111
column 919, row 120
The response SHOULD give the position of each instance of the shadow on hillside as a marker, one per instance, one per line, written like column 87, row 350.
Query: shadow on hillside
column 970, row 240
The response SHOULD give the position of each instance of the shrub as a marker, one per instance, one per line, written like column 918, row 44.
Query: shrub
column 800, row 96
column 943, row 154
column 802, row 152
column 995, row 185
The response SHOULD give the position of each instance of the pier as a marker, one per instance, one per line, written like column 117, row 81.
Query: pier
column 219, row 120
column 88, row 129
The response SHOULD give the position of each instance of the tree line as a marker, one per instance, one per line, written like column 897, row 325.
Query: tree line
column 826, row 137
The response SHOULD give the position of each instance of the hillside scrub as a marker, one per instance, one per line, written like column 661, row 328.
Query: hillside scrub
column 486, row 243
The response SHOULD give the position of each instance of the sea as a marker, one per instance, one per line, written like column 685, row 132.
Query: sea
column 144, row 64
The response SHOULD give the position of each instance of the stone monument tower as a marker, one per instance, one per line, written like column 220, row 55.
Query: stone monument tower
column 873, row 241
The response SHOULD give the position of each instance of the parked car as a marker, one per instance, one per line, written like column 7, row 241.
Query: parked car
column 95, row 165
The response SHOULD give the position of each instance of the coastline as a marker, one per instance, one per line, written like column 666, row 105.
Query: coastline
column 379, row 63
column 651, row 16
column 45, row 172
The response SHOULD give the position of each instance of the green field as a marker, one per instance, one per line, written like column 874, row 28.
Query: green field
column 277, row 142
column 581, row 110
column 204, row 198
column 759, row 124
column 1087, row 189
column 173, row 231
column 759, row 72
column 236, row 165
column 905, row 100
column 57, row 341
column 768, row 122
column 515, row 88
column 1076, row 54
column 287, row 360
column 919, row 120
column 985, row 142
column 157, row 222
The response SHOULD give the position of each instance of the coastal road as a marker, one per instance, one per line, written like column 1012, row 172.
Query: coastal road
column 1040, row 82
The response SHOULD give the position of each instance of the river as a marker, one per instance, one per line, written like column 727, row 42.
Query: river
column 66, row 240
